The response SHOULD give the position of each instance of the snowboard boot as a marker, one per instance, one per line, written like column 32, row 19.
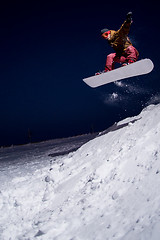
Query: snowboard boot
column 100, row 72
column 129, row 61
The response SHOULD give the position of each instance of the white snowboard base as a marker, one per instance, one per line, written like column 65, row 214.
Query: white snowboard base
column 140, row 67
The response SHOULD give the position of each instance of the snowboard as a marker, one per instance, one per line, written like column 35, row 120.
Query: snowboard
column 140, row 67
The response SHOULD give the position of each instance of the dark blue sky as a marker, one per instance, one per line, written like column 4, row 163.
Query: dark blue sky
column 47, row 48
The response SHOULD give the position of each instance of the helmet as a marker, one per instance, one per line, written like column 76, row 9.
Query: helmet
column 104, row 30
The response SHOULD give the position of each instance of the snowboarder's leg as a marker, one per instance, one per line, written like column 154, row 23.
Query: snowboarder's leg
column 112, row 59
column 110, row 62
column 131, row 54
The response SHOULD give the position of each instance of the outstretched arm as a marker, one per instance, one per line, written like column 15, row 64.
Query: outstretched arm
column 124, row 29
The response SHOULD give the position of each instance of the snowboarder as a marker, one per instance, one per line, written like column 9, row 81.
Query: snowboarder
column 125, row 53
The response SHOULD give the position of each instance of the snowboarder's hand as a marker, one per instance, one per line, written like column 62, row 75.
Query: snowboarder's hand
column 129, row 17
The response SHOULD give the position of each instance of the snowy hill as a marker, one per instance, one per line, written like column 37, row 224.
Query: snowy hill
column 107, row 189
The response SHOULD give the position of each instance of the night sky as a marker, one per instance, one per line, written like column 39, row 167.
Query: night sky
column 48, row 47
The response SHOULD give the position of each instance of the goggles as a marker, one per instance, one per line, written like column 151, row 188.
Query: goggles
column 106, row 34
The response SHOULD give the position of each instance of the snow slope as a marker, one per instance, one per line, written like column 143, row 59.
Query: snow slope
column 107, row 189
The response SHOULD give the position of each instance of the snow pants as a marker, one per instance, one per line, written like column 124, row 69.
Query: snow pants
column 130, row 54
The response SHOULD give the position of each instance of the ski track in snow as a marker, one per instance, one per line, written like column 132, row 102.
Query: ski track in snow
column 107, row 189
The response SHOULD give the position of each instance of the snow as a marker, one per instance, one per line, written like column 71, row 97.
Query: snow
column 107, row 189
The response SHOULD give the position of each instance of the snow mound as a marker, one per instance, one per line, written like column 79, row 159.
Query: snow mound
column 107, row 189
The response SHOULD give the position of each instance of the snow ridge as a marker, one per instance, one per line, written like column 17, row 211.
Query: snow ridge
column 107, row 189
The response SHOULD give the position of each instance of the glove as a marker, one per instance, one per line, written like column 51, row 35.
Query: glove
column 129, row 17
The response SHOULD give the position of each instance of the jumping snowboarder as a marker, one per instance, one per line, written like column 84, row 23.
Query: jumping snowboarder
column 125, row 53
